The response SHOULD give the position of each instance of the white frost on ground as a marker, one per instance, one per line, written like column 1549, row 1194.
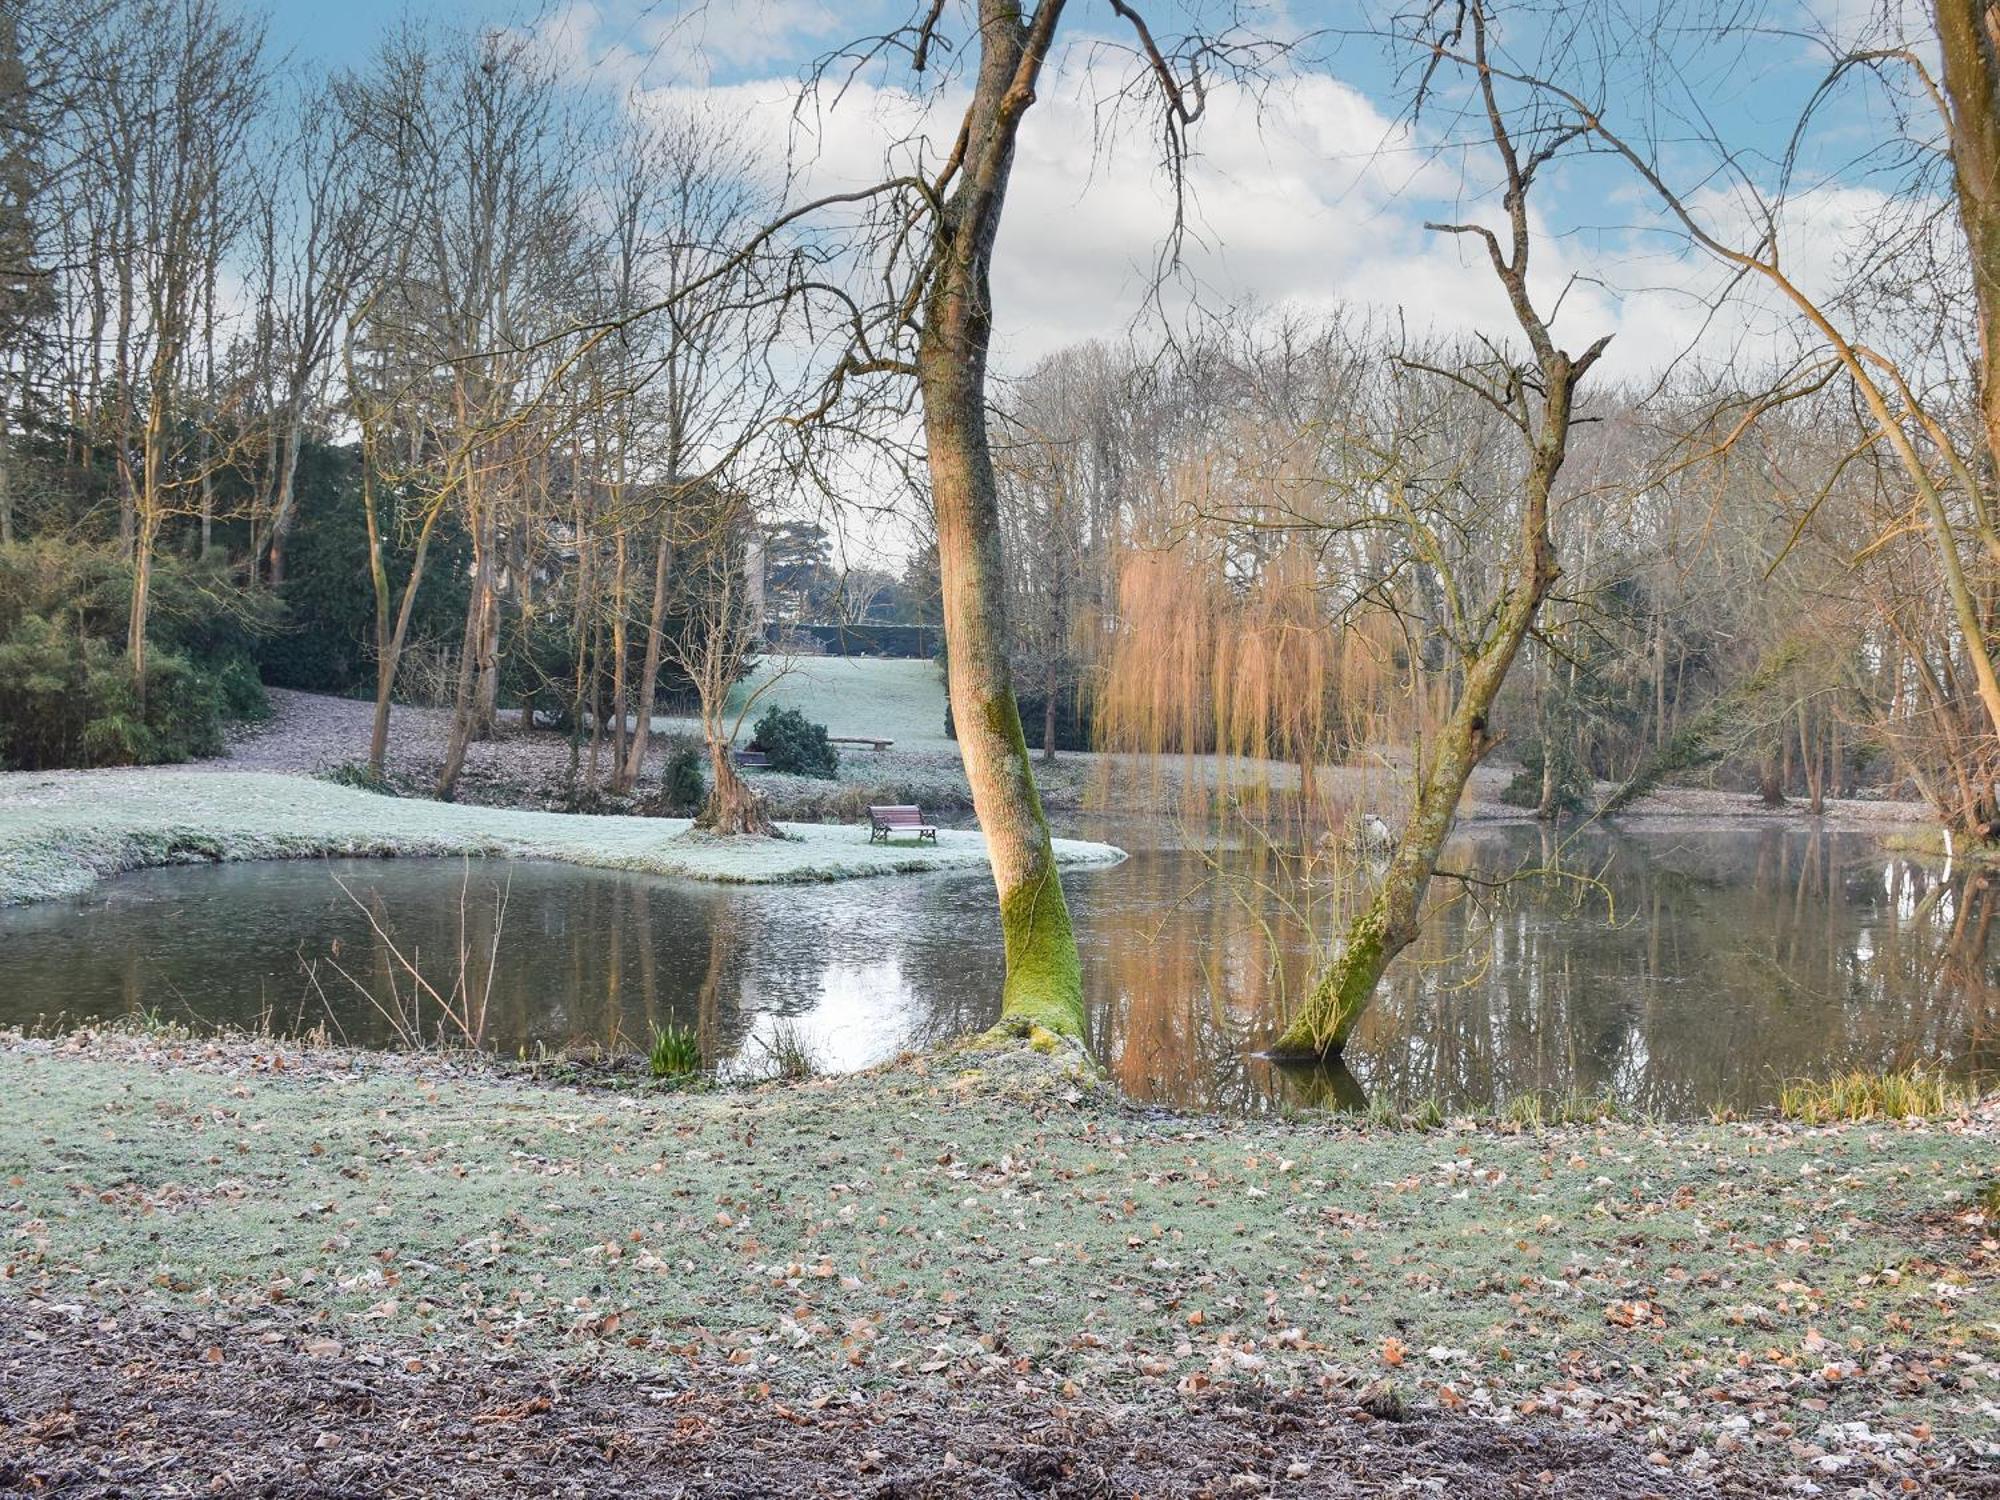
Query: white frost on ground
column 882, row 698
column 61, row 832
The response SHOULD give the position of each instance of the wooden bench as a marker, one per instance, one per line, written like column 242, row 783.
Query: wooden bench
column 752, row 758
column 884, row 821
column 859, row 739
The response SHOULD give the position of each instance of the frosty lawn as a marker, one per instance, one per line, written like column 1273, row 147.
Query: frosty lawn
column 62, row 832
column 854, row 695
column 1816, row 1301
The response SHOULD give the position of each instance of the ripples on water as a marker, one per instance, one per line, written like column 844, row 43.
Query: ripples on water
column 1706, row 966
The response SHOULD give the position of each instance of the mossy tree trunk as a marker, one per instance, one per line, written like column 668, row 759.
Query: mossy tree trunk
column 1540, row 403
column 1044, row 984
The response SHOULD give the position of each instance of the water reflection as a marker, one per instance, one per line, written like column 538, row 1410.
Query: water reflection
column 1701, row 969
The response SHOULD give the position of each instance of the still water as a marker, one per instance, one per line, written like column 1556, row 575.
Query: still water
column 1693, row 969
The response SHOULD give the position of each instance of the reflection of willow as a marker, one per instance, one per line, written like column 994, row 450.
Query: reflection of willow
column 1178, row 996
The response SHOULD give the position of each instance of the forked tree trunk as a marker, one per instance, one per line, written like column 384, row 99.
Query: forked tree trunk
column 1044, row 984
column 467, row 700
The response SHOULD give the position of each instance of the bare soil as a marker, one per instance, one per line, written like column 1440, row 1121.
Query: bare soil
column 136, row 1405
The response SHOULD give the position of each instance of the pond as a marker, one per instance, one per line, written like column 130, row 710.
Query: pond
column 1692, row 970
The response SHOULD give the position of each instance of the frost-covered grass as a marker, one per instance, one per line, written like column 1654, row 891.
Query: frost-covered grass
column 62, row 832
column 983, row 1216
column 855, row 695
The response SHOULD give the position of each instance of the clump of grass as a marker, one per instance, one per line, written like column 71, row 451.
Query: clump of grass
column 788, row 1055
column 676, row 1051
column 358, row 775
column 1531, row 1111
column 1988, row 1201
column 1861, row 1095
column 1578, row 1108
column 149, row 1021
column 1429, row 1115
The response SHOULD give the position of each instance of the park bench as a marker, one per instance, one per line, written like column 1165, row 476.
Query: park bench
column 859, row 739
column 884, row 821
column 752, row 758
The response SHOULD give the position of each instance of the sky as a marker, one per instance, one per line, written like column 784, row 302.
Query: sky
column 1312, row 194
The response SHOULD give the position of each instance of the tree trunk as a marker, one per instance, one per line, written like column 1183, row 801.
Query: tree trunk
column 389, row 641
column 1810, row 761
column 147, row 518
column 1389, row 924
column 1050, row 688
column 620, row 708
column 6, row 478
column 732, row 807
column 649, row 673
column 283, row 504
column 472, row 649
column 1044, row 984
column 1771, row 780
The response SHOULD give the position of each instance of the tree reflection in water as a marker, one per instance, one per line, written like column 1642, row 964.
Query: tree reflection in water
column 1708, row 965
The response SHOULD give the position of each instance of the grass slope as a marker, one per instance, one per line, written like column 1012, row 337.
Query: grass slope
column 62, row 832
column 1817, row 1301
column 853, row 695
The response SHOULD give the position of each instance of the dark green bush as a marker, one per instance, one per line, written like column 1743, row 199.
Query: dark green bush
column 796, row 744
column 1572, row 784
column 66, row 694
column 327, row 642
column 682, row 786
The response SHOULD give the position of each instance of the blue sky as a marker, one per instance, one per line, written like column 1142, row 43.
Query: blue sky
column 1307, row 196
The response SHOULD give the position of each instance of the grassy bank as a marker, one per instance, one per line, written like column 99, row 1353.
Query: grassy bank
column 1741, row 1299
column 62, row 832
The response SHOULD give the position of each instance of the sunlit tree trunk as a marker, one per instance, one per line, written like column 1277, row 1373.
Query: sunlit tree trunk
column 1969, row 46
column 1044, row 983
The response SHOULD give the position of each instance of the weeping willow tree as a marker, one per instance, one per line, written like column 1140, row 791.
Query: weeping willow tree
column 1216, row 656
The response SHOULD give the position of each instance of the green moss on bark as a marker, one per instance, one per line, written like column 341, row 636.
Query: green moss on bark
column 1321, row 1027
column 1044, row 974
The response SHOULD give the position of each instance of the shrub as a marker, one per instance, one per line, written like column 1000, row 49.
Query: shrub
column 682, row 786
column 1573, row 787
column 788, row 1056
column 67, row 700
column 1861, row 1095
column 796, row 744
column 66, row 695
column 359, row 776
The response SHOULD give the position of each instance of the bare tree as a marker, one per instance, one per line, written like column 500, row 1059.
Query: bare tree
column 316, row 240
column 1537, row 397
